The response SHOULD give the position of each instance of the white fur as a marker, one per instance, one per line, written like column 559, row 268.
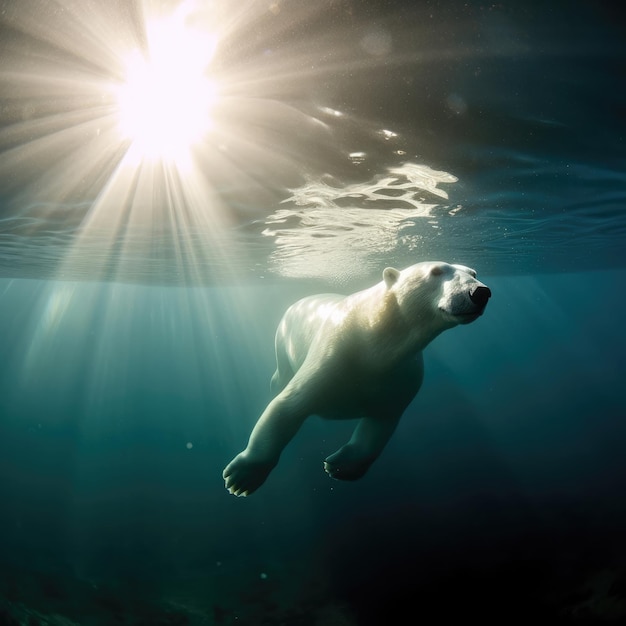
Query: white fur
column 357, row 356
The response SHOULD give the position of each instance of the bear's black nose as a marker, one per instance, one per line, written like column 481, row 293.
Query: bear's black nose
column 480, row 295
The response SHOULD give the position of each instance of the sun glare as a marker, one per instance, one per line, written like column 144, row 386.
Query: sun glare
column 166, row 98
column 149, row 129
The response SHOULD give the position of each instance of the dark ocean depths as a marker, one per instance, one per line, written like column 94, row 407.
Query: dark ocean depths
column 139, row 300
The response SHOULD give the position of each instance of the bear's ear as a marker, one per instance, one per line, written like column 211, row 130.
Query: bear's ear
column 390, row 276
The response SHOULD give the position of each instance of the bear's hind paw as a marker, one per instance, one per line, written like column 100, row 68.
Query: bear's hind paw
column 347, row 464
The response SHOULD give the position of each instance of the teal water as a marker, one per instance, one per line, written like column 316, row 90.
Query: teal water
column 139, row 302
column 122, row 403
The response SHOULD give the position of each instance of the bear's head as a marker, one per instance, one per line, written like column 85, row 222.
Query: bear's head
column 437, row 294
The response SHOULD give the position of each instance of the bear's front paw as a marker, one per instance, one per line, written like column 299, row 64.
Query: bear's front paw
column 347, row 464
column 244, row 475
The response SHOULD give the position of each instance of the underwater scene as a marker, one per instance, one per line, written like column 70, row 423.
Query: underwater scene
column 310, row 312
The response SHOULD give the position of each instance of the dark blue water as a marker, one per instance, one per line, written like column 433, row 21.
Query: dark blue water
column 139, row 301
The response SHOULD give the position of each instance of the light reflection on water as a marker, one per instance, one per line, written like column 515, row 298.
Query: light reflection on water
column 333, row 127
column 345, row 234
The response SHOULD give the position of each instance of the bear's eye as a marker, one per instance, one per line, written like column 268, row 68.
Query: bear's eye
column 436, row 270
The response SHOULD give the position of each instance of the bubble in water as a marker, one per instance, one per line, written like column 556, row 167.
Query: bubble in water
column 377, row 42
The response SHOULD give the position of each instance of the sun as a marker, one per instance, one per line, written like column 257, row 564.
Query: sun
column 165, row 100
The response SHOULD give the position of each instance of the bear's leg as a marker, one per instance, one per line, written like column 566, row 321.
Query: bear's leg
column 369, row 438
column 284, row 372
column 275, row 428
column 245, row 474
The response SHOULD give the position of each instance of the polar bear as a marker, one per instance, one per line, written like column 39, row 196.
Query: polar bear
column 356, row 356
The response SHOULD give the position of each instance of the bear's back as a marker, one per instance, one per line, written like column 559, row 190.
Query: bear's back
column 302, row 323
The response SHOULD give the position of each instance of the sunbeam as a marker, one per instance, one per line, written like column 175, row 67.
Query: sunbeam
column 166, row 97
column 143, row 130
